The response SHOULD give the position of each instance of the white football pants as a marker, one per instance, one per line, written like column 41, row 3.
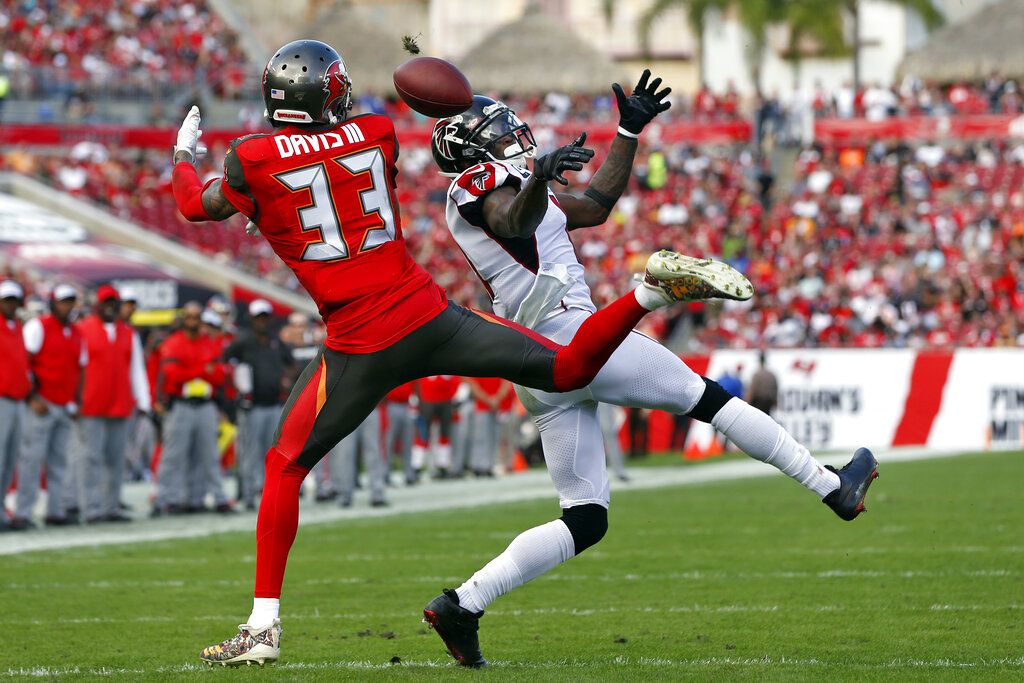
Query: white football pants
column 640, row 374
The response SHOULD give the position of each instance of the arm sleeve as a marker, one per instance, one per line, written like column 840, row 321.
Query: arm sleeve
column 188, row 192
column 32, row 333
column 243, row 378
column 177, row 372
column 140, row 380
column 217, row 375
column 470, row 189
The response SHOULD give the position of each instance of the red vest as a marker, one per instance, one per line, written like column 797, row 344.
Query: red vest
column 56, row 367
column 14, row 379
column 107, row 391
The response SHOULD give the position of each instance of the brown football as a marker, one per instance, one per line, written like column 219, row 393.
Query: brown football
column 433, row 87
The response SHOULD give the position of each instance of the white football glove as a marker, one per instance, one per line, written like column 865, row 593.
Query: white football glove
column 189, row 134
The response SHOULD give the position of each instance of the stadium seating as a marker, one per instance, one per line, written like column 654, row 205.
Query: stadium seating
column 947, row 227
column 116, row 47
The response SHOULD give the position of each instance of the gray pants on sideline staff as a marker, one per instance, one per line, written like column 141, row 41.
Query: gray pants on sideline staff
column 11, row 413
column 102, row 442
column 322, row 475
column 462, row 437
column 256, row 427
column 398, row 438
column 45, row 441
column 484, row 436
column 190, row 444
column 607, row 418
column 365, row 439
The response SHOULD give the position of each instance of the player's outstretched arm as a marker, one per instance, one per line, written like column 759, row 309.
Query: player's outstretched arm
column 512, row 214
column 195, row 202
column 595, row 205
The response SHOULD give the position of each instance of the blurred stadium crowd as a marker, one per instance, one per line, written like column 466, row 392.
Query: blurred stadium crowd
column 144, row 47
column 881, row 245
column 885, row 246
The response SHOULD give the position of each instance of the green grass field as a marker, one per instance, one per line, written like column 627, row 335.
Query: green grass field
column 748, row 579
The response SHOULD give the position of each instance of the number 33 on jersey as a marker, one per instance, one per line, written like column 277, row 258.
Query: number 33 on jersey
column 324, row 199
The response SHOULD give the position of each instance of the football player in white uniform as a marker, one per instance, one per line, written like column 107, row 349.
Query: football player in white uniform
column 513, row 230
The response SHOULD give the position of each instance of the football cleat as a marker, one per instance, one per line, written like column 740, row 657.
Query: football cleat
column 248, row 647
column 684, row 278
column 457, row 627
column 847, row 501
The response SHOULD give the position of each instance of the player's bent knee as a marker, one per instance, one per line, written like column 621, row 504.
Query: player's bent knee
column 711, row 401
column 278, row 462
column 587, row 524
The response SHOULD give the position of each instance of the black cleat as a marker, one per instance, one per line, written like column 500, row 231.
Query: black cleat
column 457, row 627
column 60, row 521
column 847, row 501
column 20, row 524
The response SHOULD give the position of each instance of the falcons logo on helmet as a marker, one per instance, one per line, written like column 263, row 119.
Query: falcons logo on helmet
column 336, row 84
column 445, row 132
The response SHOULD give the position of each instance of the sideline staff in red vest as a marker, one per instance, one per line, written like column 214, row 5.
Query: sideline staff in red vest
column 190, row 377
column 14, row 383
column 115, row 386
column 56, row 357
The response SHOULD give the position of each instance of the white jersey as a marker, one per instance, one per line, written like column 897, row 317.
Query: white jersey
column 509, row 266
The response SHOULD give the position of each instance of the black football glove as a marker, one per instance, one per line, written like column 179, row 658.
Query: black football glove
column 568, row 158
column 646, row 102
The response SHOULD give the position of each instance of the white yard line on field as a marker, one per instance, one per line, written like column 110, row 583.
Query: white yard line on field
column 429, row 496
column 766, row 662
column 349, row 617
column 692, row 576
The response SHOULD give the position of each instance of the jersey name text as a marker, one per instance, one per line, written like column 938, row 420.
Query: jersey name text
column 290, row 145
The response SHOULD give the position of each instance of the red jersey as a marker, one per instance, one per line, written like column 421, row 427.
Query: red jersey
column 190, row 366
column 401, row 394
column 491, row 387
column 15, row 383
column 325, row 201
column 438, row 388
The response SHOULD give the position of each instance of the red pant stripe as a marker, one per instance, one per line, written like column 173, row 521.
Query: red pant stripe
column 298, row 423
column 519, row 328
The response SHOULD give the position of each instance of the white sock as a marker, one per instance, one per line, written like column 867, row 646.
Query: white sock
column 650, row 298
column 444, row 456
column 530, row 554
column 764, row 439
column 264, row 611
column 419, row 457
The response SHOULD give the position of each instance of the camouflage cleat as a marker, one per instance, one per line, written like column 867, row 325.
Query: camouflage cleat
column 684, row 278
column 247, row 647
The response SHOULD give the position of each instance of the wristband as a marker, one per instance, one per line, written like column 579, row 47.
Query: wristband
column 627, row 134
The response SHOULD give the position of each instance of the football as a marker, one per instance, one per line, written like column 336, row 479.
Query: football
column 433, row 87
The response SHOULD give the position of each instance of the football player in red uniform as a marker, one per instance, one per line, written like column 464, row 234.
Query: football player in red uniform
column 321, row 189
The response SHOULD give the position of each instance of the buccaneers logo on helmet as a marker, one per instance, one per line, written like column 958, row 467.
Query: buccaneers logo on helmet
column 336, row 85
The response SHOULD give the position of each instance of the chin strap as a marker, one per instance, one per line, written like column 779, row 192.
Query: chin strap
column 188, row 192
column 519, row 161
